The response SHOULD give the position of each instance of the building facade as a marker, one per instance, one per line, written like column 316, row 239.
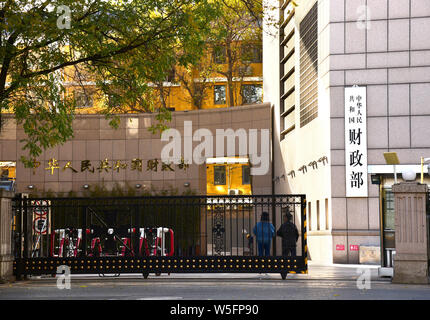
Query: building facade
column 131, row 156
column 327, row 49
column 344, row 82
column 200, row 86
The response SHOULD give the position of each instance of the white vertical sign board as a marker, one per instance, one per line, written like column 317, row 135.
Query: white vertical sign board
column 356, row 142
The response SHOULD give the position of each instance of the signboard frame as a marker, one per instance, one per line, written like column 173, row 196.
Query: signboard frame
column 356, row 172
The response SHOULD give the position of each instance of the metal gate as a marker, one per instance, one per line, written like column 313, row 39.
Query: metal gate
column 154, row 234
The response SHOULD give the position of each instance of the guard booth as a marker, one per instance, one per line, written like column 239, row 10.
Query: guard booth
column 154, row 234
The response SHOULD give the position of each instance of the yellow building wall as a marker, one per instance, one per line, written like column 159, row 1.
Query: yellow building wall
column 177, row 97
column 11, row 171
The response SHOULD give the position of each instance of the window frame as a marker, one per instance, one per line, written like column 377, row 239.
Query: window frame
column 256, row 54
column 87, row 95
column 248, row 175
column 244, row 98
column 224, row 179
column 220, row 102
column 219, row 55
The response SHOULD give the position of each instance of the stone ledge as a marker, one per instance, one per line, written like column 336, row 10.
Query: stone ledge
column 410, row 272
column 408, row 279
column 410, row 187
column 6, row 194
column 6, row 271
column 356, row 233
column 410, row 257
column 7, row 258
column 8, row 279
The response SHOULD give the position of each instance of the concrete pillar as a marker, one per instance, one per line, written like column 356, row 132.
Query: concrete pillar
column 411, row 259
column 6, row 220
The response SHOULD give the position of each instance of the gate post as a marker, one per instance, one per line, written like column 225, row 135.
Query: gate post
column 6, row 220
column 411, row 233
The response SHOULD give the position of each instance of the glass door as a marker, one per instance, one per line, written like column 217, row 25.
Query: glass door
column 388, row 219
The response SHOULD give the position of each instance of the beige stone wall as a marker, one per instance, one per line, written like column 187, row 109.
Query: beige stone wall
column 306, row 144
column 411, row 260
column 95, row 140
column 391, row 58
column 6, row 217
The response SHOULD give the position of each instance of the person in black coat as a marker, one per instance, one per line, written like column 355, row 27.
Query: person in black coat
column 289, row 234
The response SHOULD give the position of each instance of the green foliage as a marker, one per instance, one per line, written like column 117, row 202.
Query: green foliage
column 163, row 116
column 126, row 45
column 100, row 190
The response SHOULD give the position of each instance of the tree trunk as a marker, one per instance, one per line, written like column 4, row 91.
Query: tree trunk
column 230, row 63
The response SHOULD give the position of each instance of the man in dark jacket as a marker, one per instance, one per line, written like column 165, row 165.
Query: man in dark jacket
column 289, row 234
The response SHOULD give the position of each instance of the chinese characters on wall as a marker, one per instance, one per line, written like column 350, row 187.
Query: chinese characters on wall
column 355, row 142
column 111, row 165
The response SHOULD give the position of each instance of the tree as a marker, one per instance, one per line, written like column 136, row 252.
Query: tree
column 234, row 29
column 123, row 45
column 236, row 33
column 258, row 9
column 196, row 82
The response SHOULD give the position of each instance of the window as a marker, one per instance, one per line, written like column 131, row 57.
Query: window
column 318, row 215
column 327, row 227
column 83, row 98
column 219, row 175
column 309, row 67
column 252, row 93
column 245, row 71
column 252, row 53
column 218, row 54
column 287, row 54
column 219, row 95
column 388, row 212
column 81, row 74
column 246, row 178
column 171, row 75
column 388, row 225
column 309, row 216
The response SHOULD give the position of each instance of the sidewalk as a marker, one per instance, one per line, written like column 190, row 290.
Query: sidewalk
column 339, row 272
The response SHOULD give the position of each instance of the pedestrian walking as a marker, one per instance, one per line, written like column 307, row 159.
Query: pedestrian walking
column 264, row 232
column 289, row 234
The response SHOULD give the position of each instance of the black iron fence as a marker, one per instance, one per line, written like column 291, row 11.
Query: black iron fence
column 157, row 234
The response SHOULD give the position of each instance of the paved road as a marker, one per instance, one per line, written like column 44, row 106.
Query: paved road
column 324, row 290
column 322, row 283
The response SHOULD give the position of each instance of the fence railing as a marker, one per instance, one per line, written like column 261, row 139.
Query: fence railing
column 156, row 234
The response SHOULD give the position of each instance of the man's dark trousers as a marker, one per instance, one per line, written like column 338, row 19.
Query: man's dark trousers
column 288, row 251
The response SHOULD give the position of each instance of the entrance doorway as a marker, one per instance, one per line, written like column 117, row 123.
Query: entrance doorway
column 387, row 226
